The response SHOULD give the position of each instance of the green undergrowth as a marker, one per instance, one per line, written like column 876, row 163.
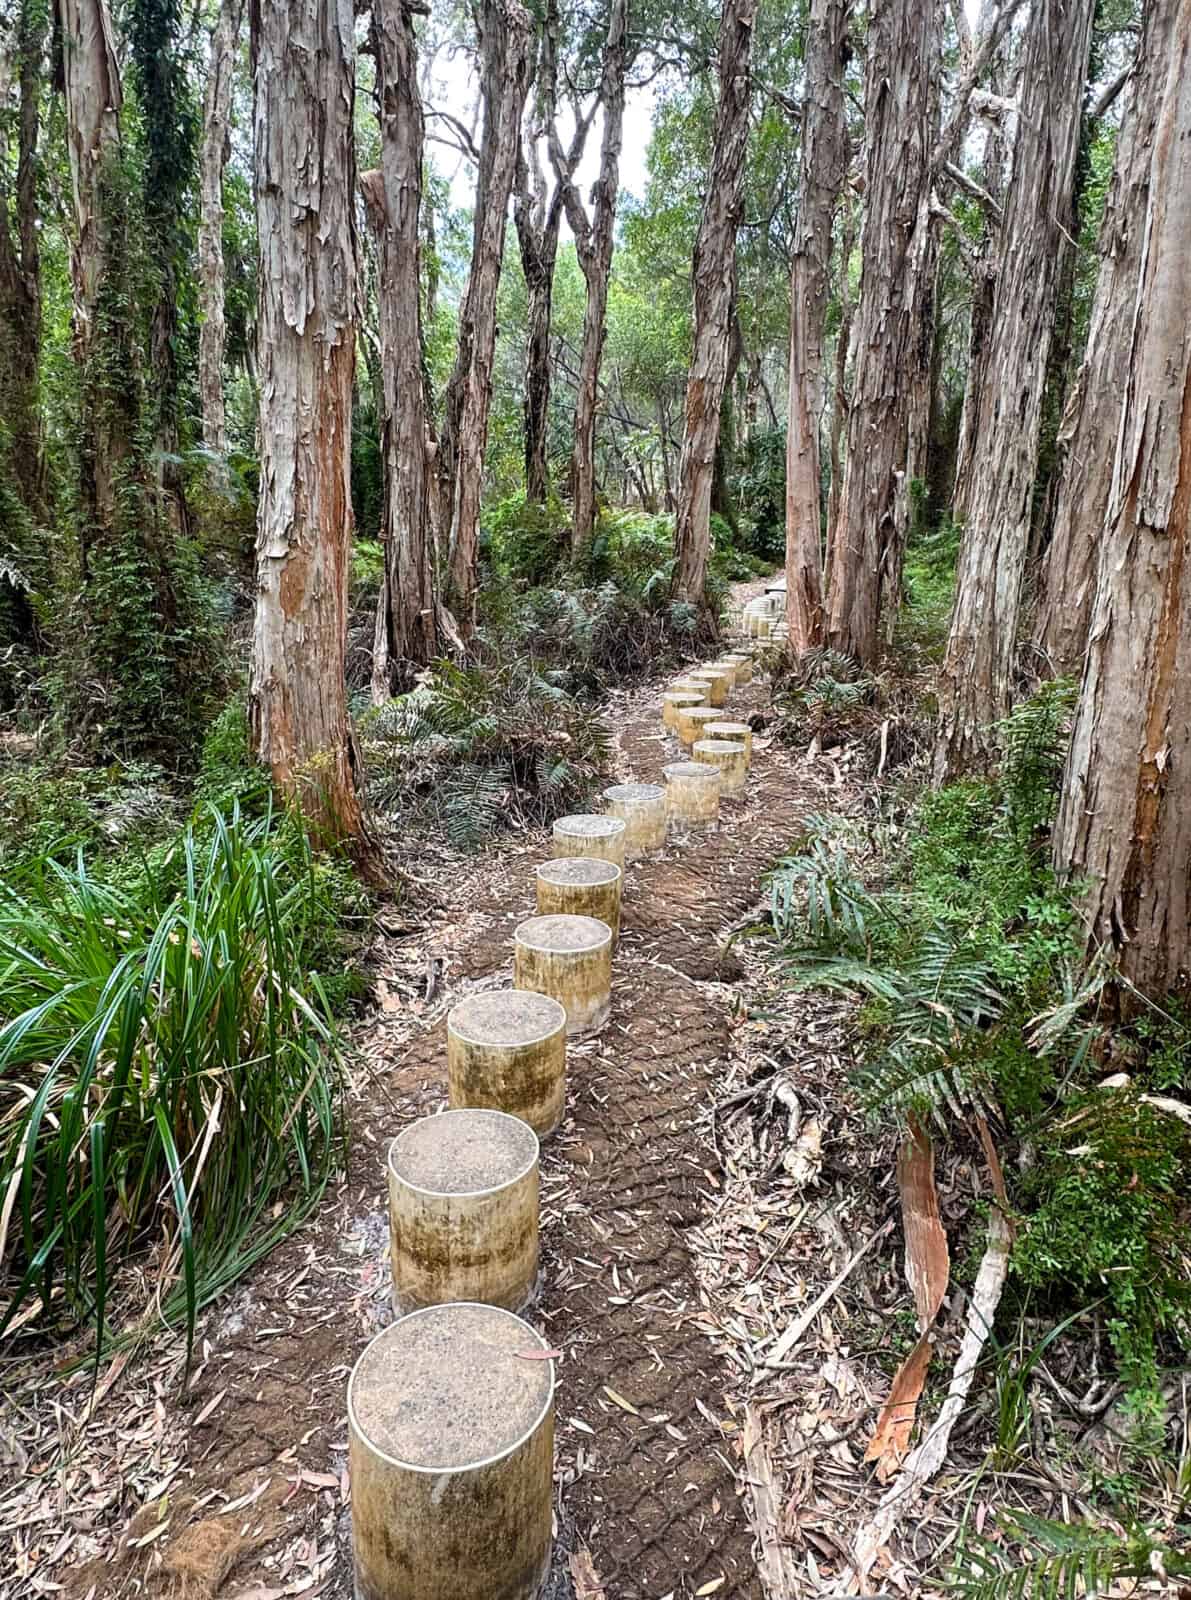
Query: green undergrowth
column 965, row 956
column 169, row 1065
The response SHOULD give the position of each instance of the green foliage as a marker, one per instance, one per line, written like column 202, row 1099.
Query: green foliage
column 170, row 1065
column 484, row 746
column 1038, row 1559
column 967, row 963
column 229, row 774
column 1107, row 1203
column 525, row 543
column 759, row 487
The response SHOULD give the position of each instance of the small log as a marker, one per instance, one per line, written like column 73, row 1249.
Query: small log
column 642, row 809
column 691, row 720
column 737, row 732
column 463, row 1210
column 507, row 1051
column 451, row 1452
column 581, row 886
column 586, row 834
column 676, row 700
column 692, row 794
column 570, row 959
column 729, row 757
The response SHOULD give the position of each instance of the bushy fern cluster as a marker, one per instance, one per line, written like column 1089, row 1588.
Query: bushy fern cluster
column 1039, row 1559
column 483, row 745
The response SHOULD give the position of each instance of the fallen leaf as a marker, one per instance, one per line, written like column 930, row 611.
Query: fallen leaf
column 710, row 1588
column 891, row 1436
column 587, row 1583
column 619, row 1400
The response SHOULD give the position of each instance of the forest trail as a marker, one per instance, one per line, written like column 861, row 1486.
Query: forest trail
column 647, row 1472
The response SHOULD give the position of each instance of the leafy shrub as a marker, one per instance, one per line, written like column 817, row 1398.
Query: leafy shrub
column 229, row 774
column 50, row 809
column 759, row 489
column 482, row 746
column 523, row 541
column 967, row 961
column 169, row 1065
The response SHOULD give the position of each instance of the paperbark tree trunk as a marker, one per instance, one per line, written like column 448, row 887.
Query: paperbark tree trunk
column 840, row 399
column 823, row 164
column 406, row 631
column 504, row 28
column 594, row 240
column 1093, row 413
column 975, row 679
column 900, row 104
column 1124, row 824
column 304, row 77
column 715, row 302
column 94, row 94
column 20, row 278
column 213, row 158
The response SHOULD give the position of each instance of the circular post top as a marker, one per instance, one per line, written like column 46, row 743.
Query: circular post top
column 586, row 870
column 715, row 729
column 717, row 747
column 634, row 794
column 563, row 933
column 692, row 769
column 451, row 1388
column 703, row 713
column 463, row 1152
column 588, row 825
column 684, row 697
column 506, row 1018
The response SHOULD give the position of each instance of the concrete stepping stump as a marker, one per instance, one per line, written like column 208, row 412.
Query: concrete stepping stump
column 586, row 834
column 642, row 809
column 719, row 684
column 685, row 685
column 570, row 959
column 451, row 1448
column 691, row 720
column 731, row 667
column 739, row 732
column 729, row 757
column 744, row 668
column 581, row 886
column 692, row 794
column 507, row 1051
column 676, row 700
column 463, row 1210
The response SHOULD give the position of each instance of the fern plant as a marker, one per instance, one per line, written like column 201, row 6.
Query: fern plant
column 1060, row 1561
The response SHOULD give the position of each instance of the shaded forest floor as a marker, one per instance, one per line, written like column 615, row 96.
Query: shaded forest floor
column 711, row 1179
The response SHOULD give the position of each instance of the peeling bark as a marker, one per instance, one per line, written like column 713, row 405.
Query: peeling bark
column 977, row 667
column 1094, row 406
column 212, row 160
column 504, row 27
column 1124, row 824
column 303, row 67
column 823, row 160
column 900, row 107
column 406, row 630
column 715, row 299
column 594, row 241
column 20, row 277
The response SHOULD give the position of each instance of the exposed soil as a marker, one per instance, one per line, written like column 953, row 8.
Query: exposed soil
column 650, row 1491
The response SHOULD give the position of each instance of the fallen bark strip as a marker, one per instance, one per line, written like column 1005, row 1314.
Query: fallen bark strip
column 764, row 1501
column 922, row 1463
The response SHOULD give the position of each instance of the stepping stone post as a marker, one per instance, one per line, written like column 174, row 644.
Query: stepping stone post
column 642, row 809
column 507, row 1051
column 676, row 700
column 729, row 757
column 451, row 1450
column 738, row 732
column 581, row 886
column 691, row 720
column 570, row 959
column 463, row 1210
column 586, row 834
column 692, row 794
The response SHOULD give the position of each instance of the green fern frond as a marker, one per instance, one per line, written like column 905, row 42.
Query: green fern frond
column 1059, row 1561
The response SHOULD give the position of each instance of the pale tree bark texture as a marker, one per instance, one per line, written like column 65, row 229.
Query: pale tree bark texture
column 900, row 104
column 304, row 78
column 20, row 277
column 212, row 160
column 94, row 95
column 406, row 631
column 715, row 302
column 823, row 163
column 1093, row 412
column 594, row 239
column 975, row 680
column 504, row 38
column 1124, row 825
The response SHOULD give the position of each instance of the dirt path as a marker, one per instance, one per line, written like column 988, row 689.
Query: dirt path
column 256, row 1497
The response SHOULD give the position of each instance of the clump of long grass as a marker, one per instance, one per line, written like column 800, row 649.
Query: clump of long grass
column 167, row 1069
